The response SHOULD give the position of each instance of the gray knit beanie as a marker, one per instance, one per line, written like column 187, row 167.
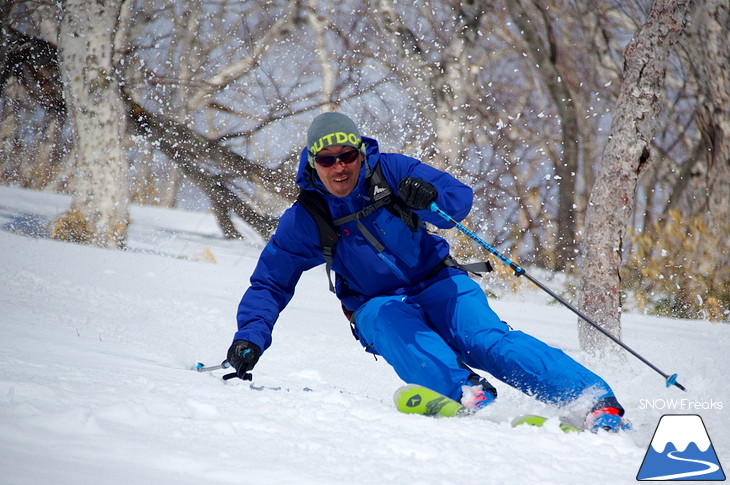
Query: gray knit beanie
column 330, row 129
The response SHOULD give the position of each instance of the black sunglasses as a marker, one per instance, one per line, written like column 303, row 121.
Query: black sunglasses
column 345, row 157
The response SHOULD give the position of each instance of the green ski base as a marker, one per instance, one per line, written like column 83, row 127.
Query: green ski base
column 415, row 399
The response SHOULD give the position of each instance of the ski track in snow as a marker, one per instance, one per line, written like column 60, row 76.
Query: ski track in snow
column 96, row 386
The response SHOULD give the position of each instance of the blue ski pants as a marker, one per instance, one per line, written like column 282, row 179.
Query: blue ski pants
column 426, row 335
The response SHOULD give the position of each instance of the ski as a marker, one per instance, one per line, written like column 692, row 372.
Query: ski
column 415, row 399
column 539, row 421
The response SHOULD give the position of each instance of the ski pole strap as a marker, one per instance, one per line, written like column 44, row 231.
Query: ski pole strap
column 450, row 262
column 474, row 268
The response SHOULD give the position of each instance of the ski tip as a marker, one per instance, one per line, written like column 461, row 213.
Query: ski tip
column 539, row 421
column 529, row 419
column 416, row 399
column 199, row 366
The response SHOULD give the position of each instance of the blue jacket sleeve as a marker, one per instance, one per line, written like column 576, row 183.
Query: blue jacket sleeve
column 293, row 249
column 454, row 197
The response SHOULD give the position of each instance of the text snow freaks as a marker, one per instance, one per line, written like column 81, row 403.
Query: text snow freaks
column 680, row 405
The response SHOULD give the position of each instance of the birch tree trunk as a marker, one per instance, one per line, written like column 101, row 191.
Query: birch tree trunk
column 453, row 85
column 709, row 54
column 626, row 155
column 319, row 25
column 450, row 95
column 444, row 84
column 99, row 208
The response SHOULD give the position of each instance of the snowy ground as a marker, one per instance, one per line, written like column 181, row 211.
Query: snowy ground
column 96, row 386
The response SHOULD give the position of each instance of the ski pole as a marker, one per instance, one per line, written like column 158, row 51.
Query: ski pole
column 670, row 380
column 200, row 367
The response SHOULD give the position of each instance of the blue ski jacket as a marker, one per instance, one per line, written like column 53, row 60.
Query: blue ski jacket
column 408, row 263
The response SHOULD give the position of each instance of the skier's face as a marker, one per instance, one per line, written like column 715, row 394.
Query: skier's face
column 340, row 178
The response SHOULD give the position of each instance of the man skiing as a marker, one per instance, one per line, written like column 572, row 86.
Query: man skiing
column 406, row 298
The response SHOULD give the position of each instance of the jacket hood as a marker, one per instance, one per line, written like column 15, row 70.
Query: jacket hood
column 307, row 177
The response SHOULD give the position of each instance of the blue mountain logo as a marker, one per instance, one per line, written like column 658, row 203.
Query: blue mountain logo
column 681, row 450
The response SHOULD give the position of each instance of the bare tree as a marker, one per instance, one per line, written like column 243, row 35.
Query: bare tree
column 441, row 79
column 99, row 209
column 708, row 55
column 545, row 54
column 626, row 155
column 506, row 95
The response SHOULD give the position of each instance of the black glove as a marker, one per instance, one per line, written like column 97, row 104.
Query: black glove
column 242, row 356
column 416, row 193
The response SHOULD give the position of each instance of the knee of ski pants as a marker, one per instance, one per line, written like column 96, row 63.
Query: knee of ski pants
column 458, row 308
column 396, row 328
column 370, row 317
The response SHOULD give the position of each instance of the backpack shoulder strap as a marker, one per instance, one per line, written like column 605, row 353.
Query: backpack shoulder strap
column 378, row 187
column 317, row 207
column 381, row 190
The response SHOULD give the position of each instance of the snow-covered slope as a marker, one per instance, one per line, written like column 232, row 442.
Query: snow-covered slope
column 96, row 386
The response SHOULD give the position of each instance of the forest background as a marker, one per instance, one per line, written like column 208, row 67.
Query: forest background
column 205, row 103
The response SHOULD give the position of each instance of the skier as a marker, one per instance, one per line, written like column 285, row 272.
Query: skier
column 406, row 298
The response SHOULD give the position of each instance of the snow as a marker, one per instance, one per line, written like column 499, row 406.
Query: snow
column 96, row 386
